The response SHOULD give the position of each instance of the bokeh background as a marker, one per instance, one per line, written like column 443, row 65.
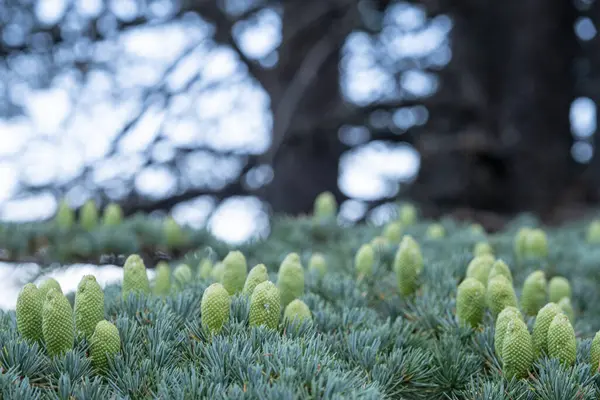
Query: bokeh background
column 222, row 112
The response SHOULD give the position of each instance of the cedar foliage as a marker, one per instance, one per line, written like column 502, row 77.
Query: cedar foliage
column 365, row 341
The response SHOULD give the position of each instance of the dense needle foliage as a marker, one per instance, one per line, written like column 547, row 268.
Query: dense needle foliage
column 365, row 341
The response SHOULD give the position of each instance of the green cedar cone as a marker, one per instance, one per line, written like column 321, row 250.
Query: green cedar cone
column 593, row 233
column 65, row 216
column 536, row 244
column 435, row 231
column 162, row 279
column 501, row 324
column 408, row 264
column 217, row 272
column 325, row 206
column 517, row 350
column 89, row 305
column 562, row 343
column 470, row 302
column 135, row 278
column 104, row 344
column 482, row 248
column 380, row 243
column 257, row 275
column 408, row 215
column 393, row 232
column 567, row 308
column 364, row 260
column 214, row 308
column 182, row 275
column 88, row 217
column 558, row 287
column 265, row 305
column 297, row 310
column 500, row 268
column 533, row 296
column 318, row 263
column 48, row 284
column 235, row 270
column 520, row 242
column 477, row 229
column 174, row 235
column 540, row 328
column 290, row 279
column 480, row 267
column 113, row 215
column 29, row 313
column 595, row 353
column 58, row 325
column 500, row 294
column 205, row 268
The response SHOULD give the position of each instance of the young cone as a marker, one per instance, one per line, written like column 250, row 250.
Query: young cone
column 540, row 328
column 48, row 284
column 113, row 215
column 65, row 216
column 520, row 242
column 89, row 305
column 234, row 272
column 182, row 276
column 174, row 235
column 89, row 215
column 500, row 268
column 104, row 344
column 567, row 308
column 517, row 350
column 364, row 260
column 290, row 279
column 408, row 215
column 57, row 323
column 500, row 294
column 29, row 313
column 325, row 206
column 558, row 287
column 257, row 275
column 214, row 308
column 536, row 244
column 501, row 324
column 318, row 263
column 162, row 279
column 265, row 305
column 533, row 296
column 483, row 248
column 480, row 267
column 562, row 343
column 470, row 302
column 297, row 310
column 408, row 264
column 205, row 268
column 135, row 278
column 435, row 231
column 393, row 232
column 595, row 353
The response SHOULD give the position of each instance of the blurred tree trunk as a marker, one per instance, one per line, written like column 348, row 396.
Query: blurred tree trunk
column 514, row 64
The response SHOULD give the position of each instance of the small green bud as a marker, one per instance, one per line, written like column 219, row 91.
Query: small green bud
column 501, row 324
column 113, row 215
column 520, row 244
column 558, row 288
column 297, row 310
column 500, row 294
column 182, row 276
column 500, row 268
column 174, row 235
column 89, row 305
column 105, row 343
column 477, row 229
column 318, row 263
column 567, row 308
column 536, row 244
column 48, row 284
column 408, row 264
column 408, row 214
column 29, row 313
column 480, row 267
column 435, row 231
column 257, row 275
column 135, row 278
column 215, row 307
column 265, row 305
column 58, row 326
column 595, row 353
column 540, row 328
column 593, row 233
column 325, row 206
column 89, row 215
column 217, row 272
column 562, row 343
column 483, row 248
column 393, row 232
column 162, row 279
column 533, row 296
column 65, row 216
column 380, row 243
column 235, row 270
column 517, row 350
column 290, row 279
column 205, row 269
column 364, row 260
column 470, row 302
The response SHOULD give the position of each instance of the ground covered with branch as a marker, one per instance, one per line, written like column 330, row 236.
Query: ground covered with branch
column 371, row 334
